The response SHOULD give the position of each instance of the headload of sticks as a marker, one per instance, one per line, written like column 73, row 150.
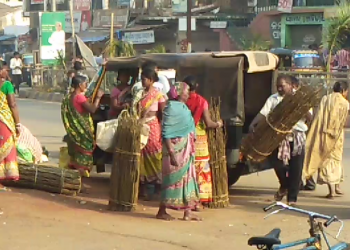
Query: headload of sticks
column 217, row 151
column 47, row 178
column 125, row 174
column 270, row 132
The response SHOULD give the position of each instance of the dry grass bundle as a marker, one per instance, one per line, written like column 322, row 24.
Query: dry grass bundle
column 126, row 164
column 217, row 151
column 271, row 131
column 47, row 178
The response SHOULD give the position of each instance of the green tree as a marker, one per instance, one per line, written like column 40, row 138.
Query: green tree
column 255, row 42
column 337, row 29
column 119, row 49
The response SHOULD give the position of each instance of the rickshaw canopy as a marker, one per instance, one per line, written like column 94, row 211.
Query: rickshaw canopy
column 255, row 61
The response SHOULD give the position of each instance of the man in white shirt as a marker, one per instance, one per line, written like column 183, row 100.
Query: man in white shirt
column 58, row 37
column 288, row 164
column 16, row 67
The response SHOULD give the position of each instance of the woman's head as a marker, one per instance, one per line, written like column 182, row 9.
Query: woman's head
column 284, row 85
column 191, row 81
column 124, row 76
column 341, row 87
column 79, row 83
column 3, row 75
column 148, row 77
column 179, row 91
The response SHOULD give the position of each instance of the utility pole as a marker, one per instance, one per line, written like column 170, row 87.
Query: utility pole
column 189, row 27
column 45, row 5
column 111, row 38
column 73, row 30
column 53, row 7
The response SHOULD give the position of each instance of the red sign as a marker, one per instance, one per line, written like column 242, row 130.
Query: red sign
column 285, row 6
column 82, row 5
column 85, row 23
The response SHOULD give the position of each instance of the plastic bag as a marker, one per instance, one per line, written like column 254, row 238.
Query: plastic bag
column 105, row 133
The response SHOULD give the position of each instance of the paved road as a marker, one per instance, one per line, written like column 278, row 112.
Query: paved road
column 37, row 220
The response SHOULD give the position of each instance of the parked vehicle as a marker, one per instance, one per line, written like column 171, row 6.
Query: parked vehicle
column 271, row 241
column 299, row 60
column 243, row 81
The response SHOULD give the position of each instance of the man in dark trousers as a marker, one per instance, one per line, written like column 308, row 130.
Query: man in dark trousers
column 16, row 66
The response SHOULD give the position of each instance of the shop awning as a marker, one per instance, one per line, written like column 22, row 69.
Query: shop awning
column 7, row 37
column 92, row 36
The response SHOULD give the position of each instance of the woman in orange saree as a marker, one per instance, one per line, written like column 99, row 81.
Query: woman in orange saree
column 151, row 105
column 200, row 111
column 9, row 129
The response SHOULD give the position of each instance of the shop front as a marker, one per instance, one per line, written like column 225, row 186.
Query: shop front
column 299, row 31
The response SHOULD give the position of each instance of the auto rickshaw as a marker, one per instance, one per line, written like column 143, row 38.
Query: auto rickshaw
column 243, row 81
column 299, row 60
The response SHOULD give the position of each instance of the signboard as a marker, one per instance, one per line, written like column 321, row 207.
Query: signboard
column 76, row 21
column 42, row 1
column 285, row 6
column 307, row 18
column 124, row 3
column 53, row 36
column 141, row 37
column 102, row 18
column 218, row 24
column 275, row 30
column 82, row 5
column 82, row 21
column 183, row 24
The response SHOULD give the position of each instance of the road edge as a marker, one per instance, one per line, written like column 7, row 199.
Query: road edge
column 36, row 95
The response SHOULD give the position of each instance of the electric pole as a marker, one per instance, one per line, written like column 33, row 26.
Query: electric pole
column 189, row 26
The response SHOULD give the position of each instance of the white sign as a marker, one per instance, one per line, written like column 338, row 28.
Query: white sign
column 218, row 24
column 183, row 24
column 141, row 37
column 285, row 6
column 76, row 20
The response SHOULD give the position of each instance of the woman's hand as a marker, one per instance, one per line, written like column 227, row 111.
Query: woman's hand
column 220, row 124
column 18, row 130
column 99, row 94
column 173, row 160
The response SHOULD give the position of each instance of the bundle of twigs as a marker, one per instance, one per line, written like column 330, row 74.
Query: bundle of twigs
column 270, row 132
column 217, row 151
column 125, row 174
column 48, row 178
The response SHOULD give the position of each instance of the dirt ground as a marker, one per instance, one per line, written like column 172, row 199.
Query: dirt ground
column 33, row 219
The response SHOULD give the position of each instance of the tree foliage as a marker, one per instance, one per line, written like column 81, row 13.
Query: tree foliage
column 337, row 29
column 255, row 43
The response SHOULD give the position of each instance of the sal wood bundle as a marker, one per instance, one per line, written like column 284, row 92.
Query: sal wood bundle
column 217, row 151
column 271, row 131
column 48, row 178
column 125, row 174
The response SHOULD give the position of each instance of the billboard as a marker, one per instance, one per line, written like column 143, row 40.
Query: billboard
column 53, row 36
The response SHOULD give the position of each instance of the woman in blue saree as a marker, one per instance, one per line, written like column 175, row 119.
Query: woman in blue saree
column 179, row 184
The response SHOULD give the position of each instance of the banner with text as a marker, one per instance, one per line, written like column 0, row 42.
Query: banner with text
column 102, row 18
column 81, row 19
column 140, row 37
column 53, row 36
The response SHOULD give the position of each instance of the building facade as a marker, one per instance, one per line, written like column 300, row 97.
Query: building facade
column 296, row 30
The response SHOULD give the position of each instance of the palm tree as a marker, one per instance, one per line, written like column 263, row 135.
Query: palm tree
column 119, row 49
column 337, row 29
column 157, row 49
column 255, row 42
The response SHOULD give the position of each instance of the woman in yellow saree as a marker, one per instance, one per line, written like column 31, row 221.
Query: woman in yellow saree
column 9, row 129
column 325, row 140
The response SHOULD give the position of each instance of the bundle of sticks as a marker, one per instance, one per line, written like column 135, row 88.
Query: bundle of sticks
column 125, row 174
column 47, row 178
column 217, row 151
column 270, row 132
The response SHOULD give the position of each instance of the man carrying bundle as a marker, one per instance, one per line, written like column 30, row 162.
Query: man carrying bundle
column 288, row 159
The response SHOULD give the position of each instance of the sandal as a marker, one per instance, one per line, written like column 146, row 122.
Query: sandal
column 279, row 195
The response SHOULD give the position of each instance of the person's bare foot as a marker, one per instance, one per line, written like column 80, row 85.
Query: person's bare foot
column 338, row 190
column 188, row 216
column 164, row 216
column 330, row 196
